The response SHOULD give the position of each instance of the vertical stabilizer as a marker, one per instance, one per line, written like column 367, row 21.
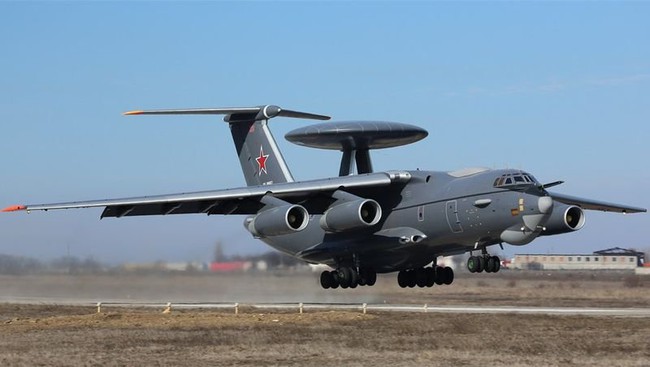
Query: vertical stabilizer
column 260, row 158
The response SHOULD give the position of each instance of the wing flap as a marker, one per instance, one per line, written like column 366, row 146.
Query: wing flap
column 596, row 205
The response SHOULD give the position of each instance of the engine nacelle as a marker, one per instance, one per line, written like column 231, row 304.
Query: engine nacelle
column 278, row 221
column 564, row 219
column 351, row 215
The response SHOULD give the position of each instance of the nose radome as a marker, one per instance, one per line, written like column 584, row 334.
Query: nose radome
column 545, row 204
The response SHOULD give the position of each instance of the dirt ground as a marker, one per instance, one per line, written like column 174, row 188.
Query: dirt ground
column 38, row 335
column 51, row 334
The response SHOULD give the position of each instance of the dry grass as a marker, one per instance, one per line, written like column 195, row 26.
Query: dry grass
column 74, row 335
column 141, row 337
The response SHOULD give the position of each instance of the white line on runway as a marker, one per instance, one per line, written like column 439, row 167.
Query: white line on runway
column 566, row 311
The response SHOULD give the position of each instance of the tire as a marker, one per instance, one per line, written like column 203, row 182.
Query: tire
column 335, row 280
column 420, row 277
column 481, row 264
column 326, row 280
column 472, row 264
column 412, row 280
column 345, row 277
column 490, row 266
column 402, row 279
column 354, row 278
column 431, row 276
column 440, row 276
column 497, row 262
column 449, row 275
column 371, row 277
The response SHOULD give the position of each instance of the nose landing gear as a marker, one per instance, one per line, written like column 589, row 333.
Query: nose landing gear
column 487, row 263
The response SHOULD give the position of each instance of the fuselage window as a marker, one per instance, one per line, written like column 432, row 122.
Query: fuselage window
column 508, row 181
column 519, row 179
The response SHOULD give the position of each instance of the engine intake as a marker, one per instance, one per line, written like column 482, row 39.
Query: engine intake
column 278, row 221
column 351, row 215
column 564, row 219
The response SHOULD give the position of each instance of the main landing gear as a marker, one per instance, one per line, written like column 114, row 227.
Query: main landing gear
column 425, row 277
column 477, row 264
column 347, row 277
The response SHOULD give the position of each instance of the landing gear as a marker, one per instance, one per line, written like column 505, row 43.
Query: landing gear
column 476, row 264
column 348, row 277
column 425, row 277
column 329, row 279
column 367, row 277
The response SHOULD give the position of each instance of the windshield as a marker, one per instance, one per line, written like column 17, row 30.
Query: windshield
column 512, row 179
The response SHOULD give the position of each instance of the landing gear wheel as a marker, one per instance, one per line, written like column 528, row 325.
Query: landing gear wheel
column 481, row 264
column 402, row 279
column 354, row 280
column 370, row 277
column 326, row 280
column 367, row 276
column 497, row 264
column 335, row 280
column 490, row 265
column 431, row 276
column 449, row 275
column 440, row 276
column 346, row 278
column 472, row 264
column 420, row 277
column 412, row 281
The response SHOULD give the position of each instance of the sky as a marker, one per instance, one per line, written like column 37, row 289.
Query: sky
column 560, row 89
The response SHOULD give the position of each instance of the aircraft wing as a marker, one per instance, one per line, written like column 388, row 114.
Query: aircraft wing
column 595, row 205
column 314, row 195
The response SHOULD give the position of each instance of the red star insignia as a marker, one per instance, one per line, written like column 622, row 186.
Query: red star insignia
column 261, row 161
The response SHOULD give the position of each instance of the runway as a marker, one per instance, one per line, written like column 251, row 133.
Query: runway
column 365, row 308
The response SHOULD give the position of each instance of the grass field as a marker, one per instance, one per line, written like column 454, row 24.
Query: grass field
column 48, row 334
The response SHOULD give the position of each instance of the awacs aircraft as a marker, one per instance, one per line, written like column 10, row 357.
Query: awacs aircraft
column 363, row 222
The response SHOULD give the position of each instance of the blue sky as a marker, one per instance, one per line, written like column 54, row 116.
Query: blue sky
column 559, row 89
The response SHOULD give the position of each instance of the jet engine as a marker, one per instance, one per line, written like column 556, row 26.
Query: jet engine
column 564, row 219
column 350, row 215
column 278, row 221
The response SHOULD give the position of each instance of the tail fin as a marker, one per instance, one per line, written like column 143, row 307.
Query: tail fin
column 260, row 158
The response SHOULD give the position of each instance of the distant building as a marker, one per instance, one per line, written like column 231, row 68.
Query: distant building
column 230, row 266
column 610, row 259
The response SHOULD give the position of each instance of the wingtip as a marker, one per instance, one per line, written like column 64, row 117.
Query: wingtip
column 136, row 112
column 14, row 208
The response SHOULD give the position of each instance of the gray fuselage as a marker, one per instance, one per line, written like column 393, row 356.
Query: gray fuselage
column 434, row 214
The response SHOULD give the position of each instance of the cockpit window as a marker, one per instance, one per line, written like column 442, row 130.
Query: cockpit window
column 511, row 179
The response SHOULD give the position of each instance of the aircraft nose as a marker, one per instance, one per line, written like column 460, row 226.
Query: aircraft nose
column 545, row 204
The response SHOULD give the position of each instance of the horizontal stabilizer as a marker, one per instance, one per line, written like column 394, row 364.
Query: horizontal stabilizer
column 250, row 113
